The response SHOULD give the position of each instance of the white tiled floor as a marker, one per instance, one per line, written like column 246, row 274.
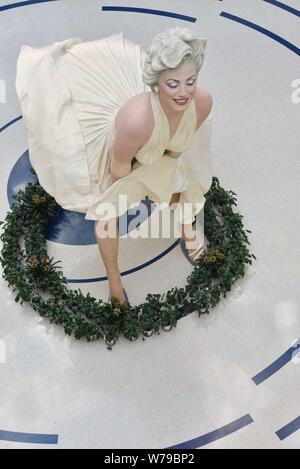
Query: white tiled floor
column 173, row 387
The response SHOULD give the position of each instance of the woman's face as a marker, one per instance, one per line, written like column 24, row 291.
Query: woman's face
column 177, row 86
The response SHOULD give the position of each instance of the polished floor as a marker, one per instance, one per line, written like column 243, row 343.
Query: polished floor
column 226, row 380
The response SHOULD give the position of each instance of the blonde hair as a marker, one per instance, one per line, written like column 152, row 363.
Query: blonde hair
column 171, row 49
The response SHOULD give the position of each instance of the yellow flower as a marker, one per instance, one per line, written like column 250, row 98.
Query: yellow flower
column 33, row 261
column 38, row 200
column 211, row 256
column 117, row 311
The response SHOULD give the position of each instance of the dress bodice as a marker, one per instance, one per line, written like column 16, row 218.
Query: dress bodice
column 159, row 140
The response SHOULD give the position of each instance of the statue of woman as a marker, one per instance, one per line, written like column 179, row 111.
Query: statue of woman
column 106, row 118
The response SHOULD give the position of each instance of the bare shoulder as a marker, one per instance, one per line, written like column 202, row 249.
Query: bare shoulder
column 203, row 102
column 135, row 118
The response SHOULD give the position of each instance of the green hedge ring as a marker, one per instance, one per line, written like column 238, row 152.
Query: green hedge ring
column 30, row 272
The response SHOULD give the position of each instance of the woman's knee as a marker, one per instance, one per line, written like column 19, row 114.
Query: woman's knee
column 106, row 228
column 175, row 198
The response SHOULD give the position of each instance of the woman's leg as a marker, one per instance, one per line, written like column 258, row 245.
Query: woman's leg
column 192, row 243
column 187, row 232
column 174, row 199
column 108, row 248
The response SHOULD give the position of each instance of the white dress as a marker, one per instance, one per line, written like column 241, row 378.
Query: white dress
column 70, row 93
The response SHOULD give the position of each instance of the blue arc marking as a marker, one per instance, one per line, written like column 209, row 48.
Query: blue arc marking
column 130, row 271
column 283, row 6
column 29, row 438
column 288, row 429
column 277, row 364
column 262, row 30
column 149, row 11
column 216, row 434
column 24, row 4
column 10, row 123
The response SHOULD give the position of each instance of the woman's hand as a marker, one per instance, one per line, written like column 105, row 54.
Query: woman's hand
column 116, row 178
column 119, row 170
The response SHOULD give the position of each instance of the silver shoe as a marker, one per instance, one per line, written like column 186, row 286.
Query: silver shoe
column 126, row 297
column 198, row 250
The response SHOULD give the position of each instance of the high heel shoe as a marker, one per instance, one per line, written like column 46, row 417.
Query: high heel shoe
column 198, row 251
column 126, row 297
column 186, row 254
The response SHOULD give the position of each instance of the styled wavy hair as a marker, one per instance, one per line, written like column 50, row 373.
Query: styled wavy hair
column 171, row 49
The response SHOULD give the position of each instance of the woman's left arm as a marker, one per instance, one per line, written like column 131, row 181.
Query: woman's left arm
column 203, row 102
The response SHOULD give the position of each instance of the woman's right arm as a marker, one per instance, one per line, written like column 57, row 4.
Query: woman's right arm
column 130, row 135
